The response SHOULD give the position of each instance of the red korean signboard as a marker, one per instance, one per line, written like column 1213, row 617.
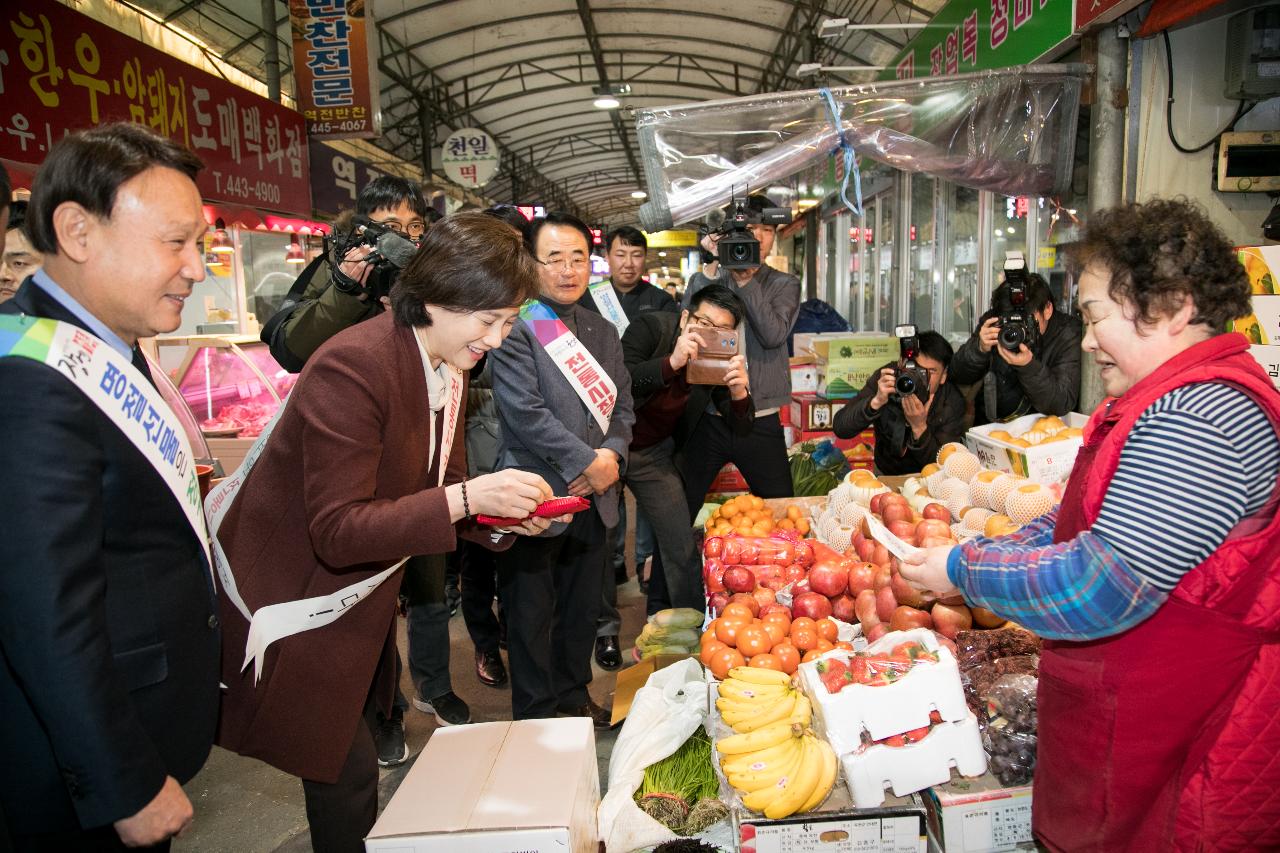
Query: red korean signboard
column 68, row 72
column 331, row 64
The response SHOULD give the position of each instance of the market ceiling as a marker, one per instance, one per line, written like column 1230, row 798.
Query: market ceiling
column 527, row 73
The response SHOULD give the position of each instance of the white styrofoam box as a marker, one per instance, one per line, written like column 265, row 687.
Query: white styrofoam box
column 1043, row 463
column 916, row 766
column 890, row 710
column 804, row 378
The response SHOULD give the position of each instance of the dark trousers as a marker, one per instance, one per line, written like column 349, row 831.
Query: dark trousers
column 479, row 583
column 341, row 813
column 103, row 839
column 551, row 587
column 428, row 618
column 761, row 456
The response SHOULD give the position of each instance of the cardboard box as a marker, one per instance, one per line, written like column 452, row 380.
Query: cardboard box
column 804, row 378
column 1043, row 463
column 1262, row 326
column 633, row 678
column 897, row 828
column 814, row 344
column 813, row 413
column 850, row 361
column 1269, row 358
column 979, row 816
column 488, row 804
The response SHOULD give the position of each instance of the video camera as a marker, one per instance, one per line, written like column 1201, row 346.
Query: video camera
column 738, row 249
column 1017, row 324
column 911, row 378
column 391, row 253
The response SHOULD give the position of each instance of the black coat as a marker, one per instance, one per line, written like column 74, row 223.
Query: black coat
column 897, row 450
column 649, row 340
column 1049, row 384
column 107, row 628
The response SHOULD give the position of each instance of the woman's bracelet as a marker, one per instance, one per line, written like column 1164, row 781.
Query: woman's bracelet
column 466, row 507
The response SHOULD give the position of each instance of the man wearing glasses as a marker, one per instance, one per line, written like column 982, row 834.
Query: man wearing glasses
column 564, row 402
column 908, row 431
column 669, row 410
column 336, row 299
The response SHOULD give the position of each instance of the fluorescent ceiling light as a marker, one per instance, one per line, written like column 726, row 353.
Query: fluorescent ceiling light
column 639, row 194
column 606, row 102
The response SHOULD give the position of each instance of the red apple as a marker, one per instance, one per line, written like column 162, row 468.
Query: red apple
column 904, row 530
column 881, row 555
column 882, row 578
column 775, row 607
column 937, row 542
column 775, row 584
column 933, row 527
column 842, row 608
column 739, row 579
column 886, row 602
column 861, row 576
column 713, row 575
column 877, row 501
column 716, row 601
column 949, row 619
column 876, row 631
column 896, row 512
column 984, row 618
column 864, row 606
column 804, row 554
column 857, row 539
column 811, row 604
column 829, row 577
column 936, row 510
column 905, row 618
column 905, row 593
column 793, row 573
column 866, row 550
column 763, row 595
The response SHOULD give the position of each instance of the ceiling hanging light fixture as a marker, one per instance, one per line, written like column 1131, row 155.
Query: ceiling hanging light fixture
column 294, row 254
column 221, row 243
column 606, row 102
column 639, row 194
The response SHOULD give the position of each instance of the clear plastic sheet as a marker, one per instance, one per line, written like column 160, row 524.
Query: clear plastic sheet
column 1010, row 131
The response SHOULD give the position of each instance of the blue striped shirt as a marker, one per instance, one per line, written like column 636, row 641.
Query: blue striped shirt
column 1197, row 461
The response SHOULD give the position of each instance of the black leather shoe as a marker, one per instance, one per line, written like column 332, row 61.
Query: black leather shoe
column 490, row 670
column 601, row 718
column 607, row 653
column 620, row 574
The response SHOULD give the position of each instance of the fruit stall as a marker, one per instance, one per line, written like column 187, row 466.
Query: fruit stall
column 829, row 694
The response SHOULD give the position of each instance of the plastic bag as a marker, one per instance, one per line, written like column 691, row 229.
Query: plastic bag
column 670, row 706
column 1011, row 131
column 1010, row 737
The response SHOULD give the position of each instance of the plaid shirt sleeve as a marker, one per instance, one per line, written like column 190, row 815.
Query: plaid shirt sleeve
column 1075, row 590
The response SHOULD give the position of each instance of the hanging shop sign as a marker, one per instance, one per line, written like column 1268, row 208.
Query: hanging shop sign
column 470, row 157
column 331, row 62
column 976, row 35
column 68, row 72
column 337, row 178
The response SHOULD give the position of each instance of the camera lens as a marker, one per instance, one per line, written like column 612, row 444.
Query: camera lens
column 1012, row 336
column 739, row 252
column 905, row 384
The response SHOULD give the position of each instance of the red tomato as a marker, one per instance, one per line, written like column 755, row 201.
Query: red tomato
column 789, row 656
column 724, row 660
column 737, row 610
column 709, row 651
column 804, row 639
column 776, row 629
column 727, row 630
column 766, row 661
column 753, row 640
column 827, row 630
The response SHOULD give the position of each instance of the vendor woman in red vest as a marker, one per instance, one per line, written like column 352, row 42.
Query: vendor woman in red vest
column 1157, row 582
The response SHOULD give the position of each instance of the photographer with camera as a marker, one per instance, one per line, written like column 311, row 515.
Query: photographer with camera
column 1026, row 353
column 741, row 238
column 910, row 404
column 350, row 283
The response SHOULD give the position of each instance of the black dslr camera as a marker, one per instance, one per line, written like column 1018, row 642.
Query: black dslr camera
column 1017, row 324
column 911, row 377
column 391, row 253
column 738, row 249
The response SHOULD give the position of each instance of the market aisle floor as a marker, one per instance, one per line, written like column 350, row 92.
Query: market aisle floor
column 245, row 806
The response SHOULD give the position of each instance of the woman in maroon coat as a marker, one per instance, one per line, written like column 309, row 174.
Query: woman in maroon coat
column 351, row 480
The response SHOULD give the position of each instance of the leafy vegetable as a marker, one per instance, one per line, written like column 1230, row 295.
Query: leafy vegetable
column 672, row 786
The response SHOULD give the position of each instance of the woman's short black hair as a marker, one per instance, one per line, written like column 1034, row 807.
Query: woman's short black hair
column 511, row 215
column 721, row 297
column 936, row 347
column 567, row 220
column 1158, row 254
column 467, row 262
column 89, row 168
column 389, row 191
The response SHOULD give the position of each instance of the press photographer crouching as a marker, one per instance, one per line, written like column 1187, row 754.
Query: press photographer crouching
column 909, row 403
column 350, row 281
column 1026, row 354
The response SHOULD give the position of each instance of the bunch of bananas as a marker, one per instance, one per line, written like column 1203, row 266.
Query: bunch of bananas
column 752, row 698
column 775, row 761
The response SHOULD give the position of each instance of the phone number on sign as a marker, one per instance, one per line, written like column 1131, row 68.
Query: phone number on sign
column 263, row 191
column 337, row 126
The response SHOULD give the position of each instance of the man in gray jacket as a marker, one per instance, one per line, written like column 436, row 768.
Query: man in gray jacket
column 1043, row 377
column 551, row 584
column 772, row 302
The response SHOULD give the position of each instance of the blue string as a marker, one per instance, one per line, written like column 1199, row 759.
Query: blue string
column 850, row 159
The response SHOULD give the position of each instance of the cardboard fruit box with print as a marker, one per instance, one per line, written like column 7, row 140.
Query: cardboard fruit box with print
column 1262, row 325
column 1041, row 448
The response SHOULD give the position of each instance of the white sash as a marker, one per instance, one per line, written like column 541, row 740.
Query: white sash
column 120, row 392
column 610, row 306
column 274, row 622
column 585, row 375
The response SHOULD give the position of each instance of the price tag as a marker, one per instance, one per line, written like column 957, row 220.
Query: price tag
column 898, row 548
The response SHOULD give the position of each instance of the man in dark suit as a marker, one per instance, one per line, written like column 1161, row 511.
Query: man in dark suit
column 657, row 348
column 552, row 584
column 107, row 627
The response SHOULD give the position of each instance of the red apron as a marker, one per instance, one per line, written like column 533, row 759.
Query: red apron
column 1127, row 720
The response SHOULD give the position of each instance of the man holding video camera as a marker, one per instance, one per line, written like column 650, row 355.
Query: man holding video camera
column 1026, row 353
column 742, row 238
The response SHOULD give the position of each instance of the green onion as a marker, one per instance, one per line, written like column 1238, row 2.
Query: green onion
column 671, row 786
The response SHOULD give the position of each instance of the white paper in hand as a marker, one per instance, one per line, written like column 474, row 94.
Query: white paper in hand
column 898, row 548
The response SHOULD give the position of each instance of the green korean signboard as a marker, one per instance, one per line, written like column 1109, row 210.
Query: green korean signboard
column 976, row 35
